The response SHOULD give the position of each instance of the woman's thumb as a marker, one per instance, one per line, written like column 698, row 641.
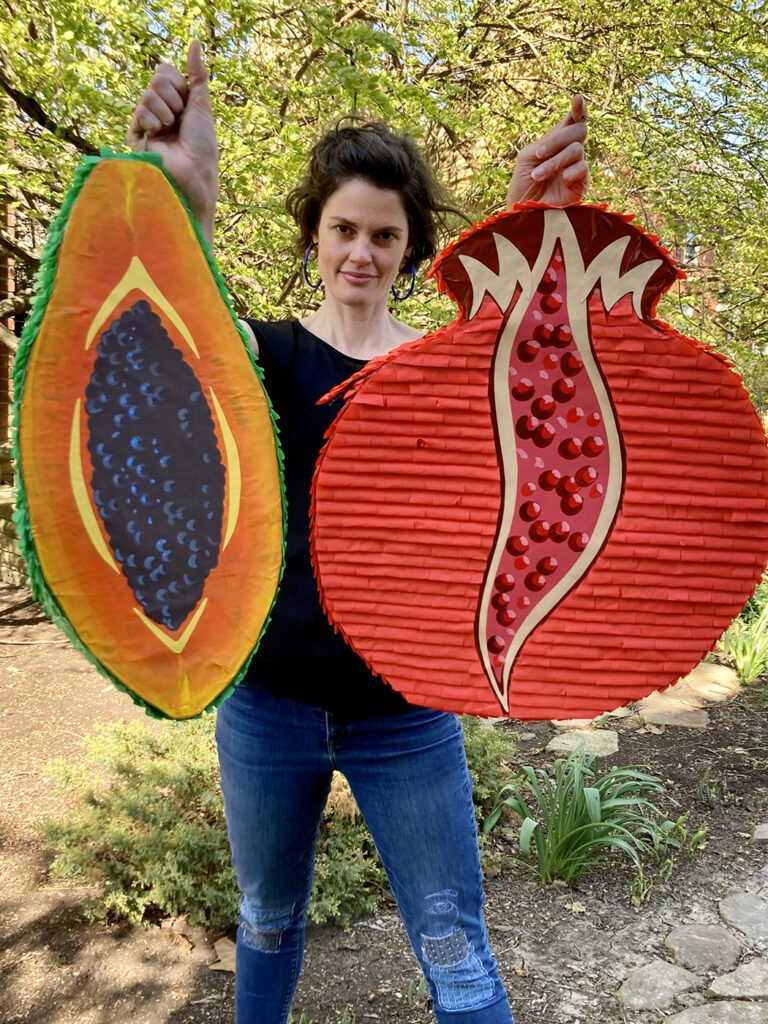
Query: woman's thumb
column 197, row 73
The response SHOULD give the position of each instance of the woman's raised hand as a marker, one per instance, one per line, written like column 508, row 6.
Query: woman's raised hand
column 174, row 119
column 554, row 170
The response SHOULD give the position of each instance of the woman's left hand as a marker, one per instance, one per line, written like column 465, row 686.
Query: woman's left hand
column 554, row 170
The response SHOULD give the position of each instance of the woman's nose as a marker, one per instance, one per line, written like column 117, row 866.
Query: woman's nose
column 361, row 250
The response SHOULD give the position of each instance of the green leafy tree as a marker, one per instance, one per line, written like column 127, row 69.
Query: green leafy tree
column 677, row 94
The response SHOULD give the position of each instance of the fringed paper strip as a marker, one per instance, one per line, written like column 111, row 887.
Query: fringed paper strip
column 150, row 506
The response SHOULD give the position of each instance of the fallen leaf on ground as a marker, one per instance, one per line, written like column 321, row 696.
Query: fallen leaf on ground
column 225, row 951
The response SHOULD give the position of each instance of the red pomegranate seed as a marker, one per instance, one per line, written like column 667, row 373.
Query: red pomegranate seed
column 593, row 446
column 571, row 448
column 549, row 479
column 544, row 407
column 587, row 475
column 516, row 545
column 564, row 389
column 523, row 390
column 528, row 350
column 562, row 336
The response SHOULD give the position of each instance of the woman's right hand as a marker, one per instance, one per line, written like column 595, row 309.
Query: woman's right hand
column 174, row 119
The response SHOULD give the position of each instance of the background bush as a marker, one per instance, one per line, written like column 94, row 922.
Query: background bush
column 143, row 822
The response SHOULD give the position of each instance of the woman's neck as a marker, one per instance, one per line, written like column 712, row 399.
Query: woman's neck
column 359, row 331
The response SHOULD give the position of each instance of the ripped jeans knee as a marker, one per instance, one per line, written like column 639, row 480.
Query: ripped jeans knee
column 263, row 930
column 459, row 978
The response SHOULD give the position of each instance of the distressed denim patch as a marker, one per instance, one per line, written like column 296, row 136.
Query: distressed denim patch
column 461, row 982
column 263, row 929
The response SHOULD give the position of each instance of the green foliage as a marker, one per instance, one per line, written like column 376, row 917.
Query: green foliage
column 716, row 792
column 746, row 643
column 418, row 991
column 349, row 879
column 575, row 821
column 144, row 823
column 666, row 846
column 486, row 749
column 757, row 602
column 678, row 120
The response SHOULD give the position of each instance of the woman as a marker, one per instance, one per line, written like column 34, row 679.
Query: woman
column 368, row 206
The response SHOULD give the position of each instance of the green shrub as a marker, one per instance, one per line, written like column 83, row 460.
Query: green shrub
column 575, row 821
column 349, row 878
column 486, row 749
column 746, row 643
column 144, row 824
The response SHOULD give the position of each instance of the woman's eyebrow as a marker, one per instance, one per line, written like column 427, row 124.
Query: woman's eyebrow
column 395, row 228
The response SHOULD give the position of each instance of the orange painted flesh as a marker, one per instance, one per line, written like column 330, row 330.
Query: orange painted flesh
column 128, row 209
column 406, row 504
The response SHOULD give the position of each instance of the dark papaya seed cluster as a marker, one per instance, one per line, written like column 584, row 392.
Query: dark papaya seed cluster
column 158, row 479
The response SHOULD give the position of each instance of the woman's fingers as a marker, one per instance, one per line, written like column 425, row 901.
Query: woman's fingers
column 578, row 111
column 577, row 172
column 575, row 115
column 559, row 138
column 171, row 89
column 160, row 105
column 563, row 157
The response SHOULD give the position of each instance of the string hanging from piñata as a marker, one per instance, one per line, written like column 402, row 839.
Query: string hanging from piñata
column 150, row 506
column 557, row 503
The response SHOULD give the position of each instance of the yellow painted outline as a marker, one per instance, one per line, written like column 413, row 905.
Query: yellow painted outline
column 137, row 277
column 81, row 496
column 233, row 471
column 176, row 646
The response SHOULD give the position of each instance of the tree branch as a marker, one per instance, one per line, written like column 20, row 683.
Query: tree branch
column 18, row 303
column 28, row 256
column 32, row 108
column 9, row 339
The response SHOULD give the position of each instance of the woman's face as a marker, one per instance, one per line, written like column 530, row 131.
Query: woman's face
column 362, row 238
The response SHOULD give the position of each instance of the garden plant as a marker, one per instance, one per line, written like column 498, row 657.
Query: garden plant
column 575, row 820
column 144, row 823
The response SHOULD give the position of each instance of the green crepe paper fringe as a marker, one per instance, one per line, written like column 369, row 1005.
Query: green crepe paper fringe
column 44, row 283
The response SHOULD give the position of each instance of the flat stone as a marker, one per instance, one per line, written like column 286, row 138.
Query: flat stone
column 655, row 985
column 721, row 1013
column 708, row 683
column 566, row 724
column 678, row 697
column 683, row 717
column 713, row 682
column 602, row 742
column 704, row 946
column 746, row 912
column 760, row 835
column 748, row 981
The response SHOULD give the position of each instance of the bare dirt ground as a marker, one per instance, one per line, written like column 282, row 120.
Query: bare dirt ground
column 563, row 951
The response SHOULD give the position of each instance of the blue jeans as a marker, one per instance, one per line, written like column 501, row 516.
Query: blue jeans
column 409, row 776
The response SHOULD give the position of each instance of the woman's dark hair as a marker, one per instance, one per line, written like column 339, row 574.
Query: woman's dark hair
column 355, row 148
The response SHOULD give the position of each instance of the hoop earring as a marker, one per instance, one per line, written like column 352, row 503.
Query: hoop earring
column 402, row 298
column 305, row 271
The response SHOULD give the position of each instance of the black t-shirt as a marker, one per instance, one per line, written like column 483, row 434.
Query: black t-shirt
column 300, row 655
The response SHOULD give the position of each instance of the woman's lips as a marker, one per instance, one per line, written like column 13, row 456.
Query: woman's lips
column 354, row 278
